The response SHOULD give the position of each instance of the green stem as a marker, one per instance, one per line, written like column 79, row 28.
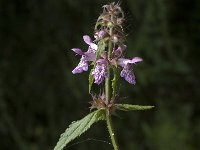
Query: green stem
column 107, row 87
column 108, row 93
column 111, row 131
column 114, row 81
column 107, row 82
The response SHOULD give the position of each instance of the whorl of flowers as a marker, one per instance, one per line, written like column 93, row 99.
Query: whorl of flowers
column 108, row 30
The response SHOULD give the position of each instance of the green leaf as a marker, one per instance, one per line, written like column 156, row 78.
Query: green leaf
column 91, row 80
column 129, row 107
column 114, row 80
column 79, row 127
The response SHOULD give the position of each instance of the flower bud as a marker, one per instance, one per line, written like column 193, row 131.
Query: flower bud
column 115, row 39
column 100, row 34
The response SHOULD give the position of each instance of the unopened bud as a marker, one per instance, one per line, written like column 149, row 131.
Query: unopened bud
column 100, row 34
column 120, row 21
column 115, row 39
column 110, row 24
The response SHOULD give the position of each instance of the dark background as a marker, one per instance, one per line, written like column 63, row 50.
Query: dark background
column 40, row 97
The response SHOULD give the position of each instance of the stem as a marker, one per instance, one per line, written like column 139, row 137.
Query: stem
column 107, row 87
column 111, row 131
column 108, row 93
column 107, row 82
column 114, row 81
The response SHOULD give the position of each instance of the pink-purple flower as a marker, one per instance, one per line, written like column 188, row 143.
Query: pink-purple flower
column 119, row 51
column 101, row 71
column 100, row 34
column 86, row 56
column 127, row 71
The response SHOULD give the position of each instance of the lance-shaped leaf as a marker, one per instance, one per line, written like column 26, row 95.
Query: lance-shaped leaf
column 114, row 80
column 129, row 107
column 79, row 127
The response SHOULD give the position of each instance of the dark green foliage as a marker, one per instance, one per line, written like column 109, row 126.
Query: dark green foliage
column 39, row 96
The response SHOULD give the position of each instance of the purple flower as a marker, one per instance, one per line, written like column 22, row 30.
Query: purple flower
column 100, row 34
column 119, row 51
column 86, row 56
column 127, row 71
column 101, row 71
column 92, row 46
column 82, row 66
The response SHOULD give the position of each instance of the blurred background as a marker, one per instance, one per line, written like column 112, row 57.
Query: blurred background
column 40, row 97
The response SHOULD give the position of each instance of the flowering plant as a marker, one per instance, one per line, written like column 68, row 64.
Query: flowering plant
column 106, row 55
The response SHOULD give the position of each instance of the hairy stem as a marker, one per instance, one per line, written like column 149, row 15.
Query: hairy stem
column 108, row 93
column 107, row 82
column 114, row 82
column 107, row 87
column 111, row 131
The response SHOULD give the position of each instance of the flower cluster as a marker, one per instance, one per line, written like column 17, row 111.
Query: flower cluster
column 107, row 49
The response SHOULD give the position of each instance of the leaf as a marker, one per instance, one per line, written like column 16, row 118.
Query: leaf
column 79, row 127
column 129, row 107
column 114, row 80
column 91, row 80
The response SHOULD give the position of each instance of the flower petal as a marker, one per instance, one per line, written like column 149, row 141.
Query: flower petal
column 90, row 56
column 82, row 66
column 101, row 61
column 119, row 51
column 100, row 72
column 123, row 62
column 135, row 60
column 93, row 46
column 100, row 34
column 87, row 39
column 77, row 51
column 128, row 75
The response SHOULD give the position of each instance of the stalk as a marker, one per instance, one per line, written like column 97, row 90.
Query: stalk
column 108, row 79
column 111, row 131
column 108, row 93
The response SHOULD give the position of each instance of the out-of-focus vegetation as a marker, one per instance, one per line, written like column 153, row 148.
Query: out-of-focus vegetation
column 39, row 96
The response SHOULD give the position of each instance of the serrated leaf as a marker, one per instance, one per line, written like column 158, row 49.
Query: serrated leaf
column 114, row 80
column 129, row 107
column 91, row 80
column 79, row 127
